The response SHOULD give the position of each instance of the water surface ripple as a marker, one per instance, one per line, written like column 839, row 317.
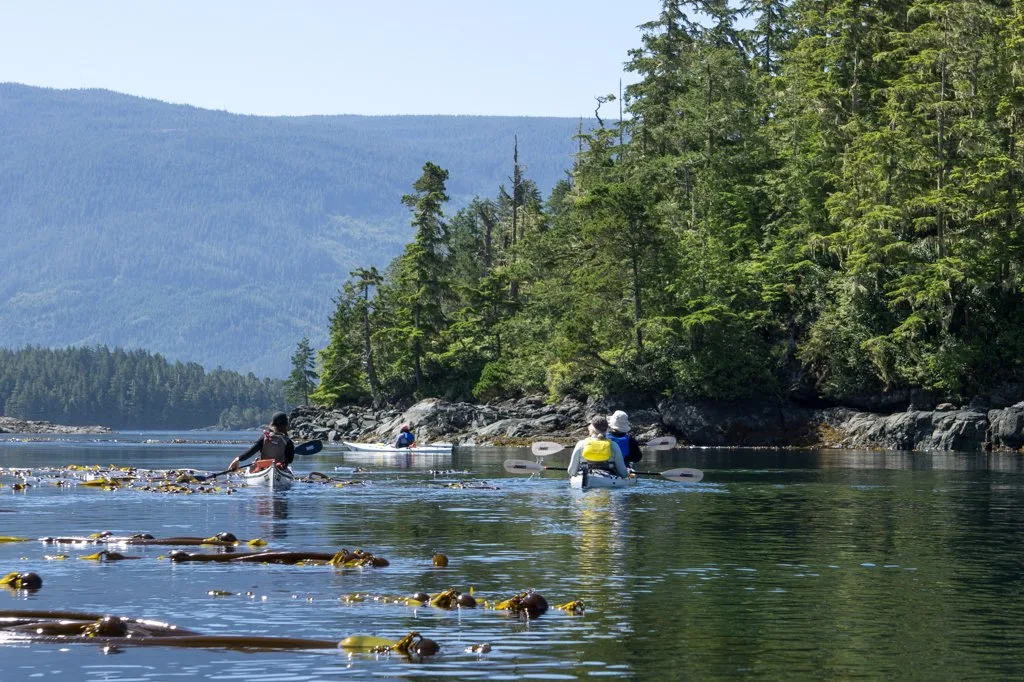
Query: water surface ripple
column 779, row 565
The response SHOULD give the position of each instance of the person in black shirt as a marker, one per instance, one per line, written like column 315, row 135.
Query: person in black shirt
column 273, row 444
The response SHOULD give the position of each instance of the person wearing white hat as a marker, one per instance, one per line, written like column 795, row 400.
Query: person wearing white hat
column 618, row 433
column 597, row 451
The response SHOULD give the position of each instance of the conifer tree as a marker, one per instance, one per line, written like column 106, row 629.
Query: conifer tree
column 302, row 379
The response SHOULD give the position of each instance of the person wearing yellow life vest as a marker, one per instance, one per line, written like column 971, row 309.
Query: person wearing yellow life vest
column 597, row 451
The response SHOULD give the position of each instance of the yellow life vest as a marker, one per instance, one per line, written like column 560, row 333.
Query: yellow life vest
column 597, row 450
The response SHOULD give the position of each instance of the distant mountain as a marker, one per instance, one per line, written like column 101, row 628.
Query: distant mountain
column 215, row 237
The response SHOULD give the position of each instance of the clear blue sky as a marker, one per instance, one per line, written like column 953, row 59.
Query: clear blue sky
column 515, row 57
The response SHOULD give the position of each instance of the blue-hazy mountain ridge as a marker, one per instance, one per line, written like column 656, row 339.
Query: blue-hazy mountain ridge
column 215, row 237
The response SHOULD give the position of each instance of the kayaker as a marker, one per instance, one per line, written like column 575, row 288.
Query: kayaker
column 273, row 444
column 618, row 433
column 598, row 451
column 406, row 437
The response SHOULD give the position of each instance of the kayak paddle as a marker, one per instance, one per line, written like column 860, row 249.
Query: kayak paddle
column 522, row 466
column 310, row 447
column 544, row 447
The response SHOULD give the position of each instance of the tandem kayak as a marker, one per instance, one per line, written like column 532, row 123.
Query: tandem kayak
column 382, row 448
column 585, row 480
column 264, row 474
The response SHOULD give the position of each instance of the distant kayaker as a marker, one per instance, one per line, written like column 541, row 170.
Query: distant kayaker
column 273, row 444
column 406, row 437
column 618, row 433
column 598, row 451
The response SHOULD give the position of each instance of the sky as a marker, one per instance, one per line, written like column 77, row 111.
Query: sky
column 478, row 57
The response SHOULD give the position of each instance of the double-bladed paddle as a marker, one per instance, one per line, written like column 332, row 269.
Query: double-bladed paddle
column 544, row 447
column 522, row 466
column 310, row 447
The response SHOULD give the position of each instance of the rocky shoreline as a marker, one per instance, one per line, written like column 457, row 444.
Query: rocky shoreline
column 13, row 425
column 972, row 428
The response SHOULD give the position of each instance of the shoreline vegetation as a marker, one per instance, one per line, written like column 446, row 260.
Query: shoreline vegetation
column 778, row 217
column 787, row 216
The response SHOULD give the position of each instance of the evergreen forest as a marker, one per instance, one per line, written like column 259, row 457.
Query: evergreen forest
column 130, row 389
column 810, row 199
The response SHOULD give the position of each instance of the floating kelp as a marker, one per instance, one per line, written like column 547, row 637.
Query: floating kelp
column 223, row 539
column 324, row 479
column 22, row 581
column 452, row 599
column 413, row 644
column 107, row 555
column 573, row 608
column 528, row 604
column 113, row 478
column 343, row 558
column 469, row 485
column 70, row 627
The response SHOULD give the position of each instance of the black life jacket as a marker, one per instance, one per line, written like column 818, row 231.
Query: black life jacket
column 275, row 447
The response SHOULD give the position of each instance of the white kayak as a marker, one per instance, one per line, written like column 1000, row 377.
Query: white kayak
column 273, row 477
column 383, row 448
column 600, row 479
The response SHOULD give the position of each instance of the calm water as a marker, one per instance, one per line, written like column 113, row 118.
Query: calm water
column 780, row 565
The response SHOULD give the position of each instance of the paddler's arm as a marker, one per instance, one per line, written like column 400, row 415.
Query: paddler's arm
column 620, row 466
column 574, row 461
column 289, row 451
column 256, row 447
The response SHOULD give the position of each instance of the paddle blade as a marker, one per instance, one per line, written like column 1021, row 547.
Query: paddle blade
column 545, row 448
column 521, row 466
column 207, row 477
column 662, row 443
column 683, row 475
column 310, row 447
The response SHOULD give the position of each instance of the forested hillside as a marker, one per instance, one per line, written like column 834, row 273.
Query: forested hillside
column 129, row 389
column 815, row 199
column 214, row 237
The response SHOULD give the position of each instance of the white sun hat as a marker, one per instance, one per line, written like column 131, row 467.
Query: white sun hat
column 619, row 421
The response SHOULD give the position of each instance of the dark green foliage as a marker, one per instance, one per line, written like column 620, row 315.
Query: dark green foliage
column 129, row 389
column 825, row 205
column 302, row 381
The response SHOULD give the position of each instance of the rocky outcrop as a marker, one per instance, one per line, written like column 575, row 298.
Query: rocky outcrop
column 509, row 422
column 693, row 422
column 740, row 423
column 963, row 430
column 1006, row 428
column 13, row 425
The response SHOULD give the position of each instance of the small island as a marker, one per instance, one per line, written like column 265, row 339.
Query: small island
column 13, row 425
